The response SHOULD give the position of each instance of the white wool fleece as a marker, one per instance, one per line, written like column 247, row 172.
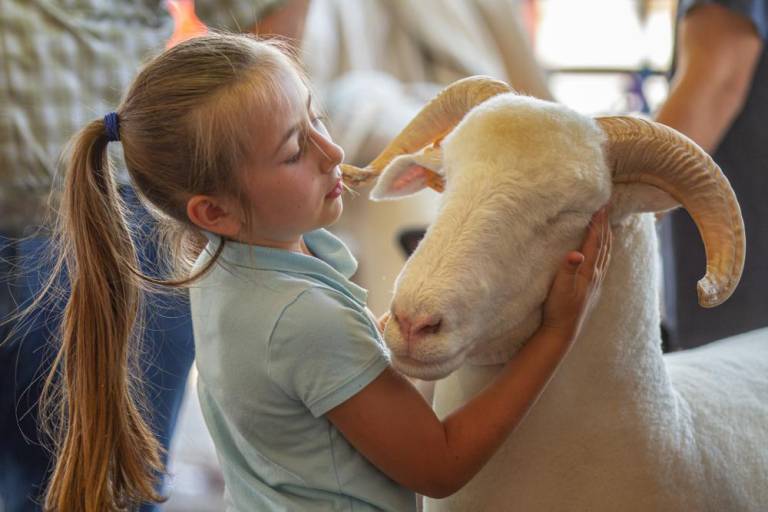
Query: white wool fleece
column 620, row 426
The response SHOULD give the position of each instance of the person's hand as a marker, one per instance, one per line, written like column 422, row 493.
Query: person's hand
column 578, row 280
column 382, row 321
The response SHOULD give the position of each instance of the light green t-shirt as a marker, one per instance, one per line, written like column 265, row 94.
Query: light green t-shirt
column 281, row 338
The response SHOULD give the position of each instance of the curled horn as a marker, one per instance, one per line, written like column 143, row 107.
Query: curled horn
column 640, row 151
column 433, row 122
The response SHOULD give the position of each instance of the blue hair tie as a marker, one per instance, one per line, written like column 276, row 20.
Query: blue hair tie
column 112, row 127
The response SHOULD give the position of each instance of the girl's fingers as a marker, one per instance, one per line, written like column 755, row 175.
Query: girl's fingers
column 606, row 249
column 607, row 243
column 382, row 321
column 603, row 251
column 593, row 243
column 574, row 259
column 583, row 269
column 605, row 254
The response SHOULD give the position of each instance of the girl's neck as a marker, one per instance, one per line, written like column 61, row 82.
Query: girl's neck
column 303, row 247
column 297, row 245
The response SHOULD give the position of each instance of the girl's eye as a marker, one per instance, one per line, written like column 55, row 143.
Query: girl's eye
column 317, row 122
column 295, row 158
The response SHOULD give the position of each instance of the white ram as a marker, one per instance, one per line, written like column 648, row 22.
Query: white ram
column 620, row 427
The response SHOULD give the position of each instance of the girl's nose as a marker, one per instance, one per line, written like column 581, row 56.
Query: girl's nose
column 332, row 153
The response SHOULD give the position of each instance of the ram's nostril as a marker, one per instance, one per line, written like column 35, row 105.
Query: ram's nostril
column 425, row 326
column 431, row 328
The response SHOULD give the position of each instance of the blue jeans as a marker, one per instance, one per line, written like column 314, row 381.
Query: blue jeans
column 25, row 360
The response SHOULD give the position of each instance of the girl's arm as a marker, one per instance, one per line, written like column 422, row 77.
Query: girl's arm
column 393, row 427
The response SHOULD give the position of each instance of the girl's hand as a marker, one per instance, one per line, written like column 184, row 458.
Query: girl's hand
column 578, row 280
column 382, row 321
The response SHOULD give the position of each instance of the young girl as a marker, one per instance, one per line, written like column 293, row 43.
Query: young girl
column 222, row 140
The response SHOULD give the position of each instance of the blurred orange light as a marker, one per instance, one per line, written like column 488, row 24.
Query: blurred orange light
column 185, row 21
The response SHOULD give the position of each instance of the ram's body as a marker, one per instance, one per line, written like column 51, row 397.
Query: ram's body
column 620, row 427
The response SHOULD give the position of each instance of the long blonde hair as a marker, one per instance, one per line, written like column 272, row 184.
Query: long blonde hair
column 184, row 131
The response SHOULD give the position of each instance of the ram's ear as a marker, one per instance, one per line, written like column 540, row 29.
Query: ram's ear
column 408, row 174
column 628, row 198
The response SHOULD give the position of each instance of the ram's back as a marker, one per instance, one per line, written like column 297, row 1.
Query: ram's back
column 723, row 389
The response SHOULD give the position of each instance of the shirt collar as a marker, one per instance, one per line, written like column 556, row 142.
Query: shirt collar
column 333, row 263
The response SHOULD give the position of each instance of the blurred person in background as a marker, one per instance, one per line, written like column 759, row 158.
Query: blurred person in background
column 65, row 62
column 719, row 98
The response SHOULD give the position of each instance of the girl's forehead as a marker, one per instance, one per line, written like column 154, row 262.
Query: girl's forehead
column 291, row 93
column 285, row 108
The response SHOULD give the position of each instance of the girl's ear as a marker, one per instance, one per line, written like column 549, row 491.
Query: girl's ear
column 408, row 174
column 214, row 215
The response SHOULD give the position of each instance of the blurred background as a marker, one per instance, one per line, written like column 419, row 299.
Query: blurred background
column 596, row 56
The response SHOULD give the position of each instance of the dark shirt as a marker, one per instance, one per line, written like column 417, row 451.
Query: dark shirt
column 743, row 157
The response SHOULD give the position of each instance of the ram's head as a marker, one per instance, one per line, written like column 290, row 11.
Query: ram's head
column 521, row 179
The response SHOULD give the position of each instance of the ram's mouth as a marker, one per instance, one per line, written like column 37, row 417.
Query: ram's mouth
column 432, row 369
column 425, row 371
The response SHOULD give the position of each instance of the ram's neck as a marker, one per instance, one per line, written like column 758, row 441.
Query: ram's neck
column 617, row 357
column 618, row 354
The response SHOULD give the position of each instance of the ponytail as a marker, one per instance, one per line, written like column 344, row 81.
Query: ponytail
column 181, row 129
column 108, row 459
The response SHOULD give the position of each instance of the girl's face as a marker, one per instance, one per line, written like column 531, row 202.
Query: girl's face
column 293, row 184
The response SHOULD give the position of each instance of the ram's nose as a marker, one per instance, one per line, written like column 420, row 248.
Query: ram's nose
column 415, row 328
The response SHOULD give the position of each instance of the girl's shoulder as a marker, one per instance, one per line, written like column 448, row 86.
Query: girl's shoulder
column 319, row 305
column 323, row 349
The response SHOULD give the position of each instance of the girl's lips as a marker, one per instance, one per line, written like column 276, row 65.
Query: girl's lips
column 336, row 191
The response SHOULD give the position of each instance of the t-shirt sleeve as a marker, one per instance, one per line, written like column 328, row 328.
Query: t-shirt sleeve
column 324, row 349
column 754, row 10
column 234, row 15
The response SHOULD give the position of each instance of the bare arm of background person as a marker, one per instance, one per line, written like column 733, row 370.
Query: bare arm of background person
column 718, row 50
